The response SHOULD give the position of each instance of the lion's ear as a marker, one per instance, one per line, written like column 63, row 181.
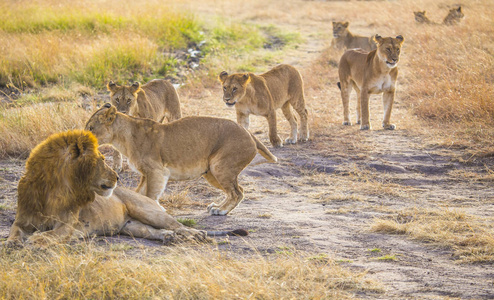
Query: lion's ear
column 459, row 9
column 245, row 79
column 378, row 39
column 222, row 77
column 111, row 86
column 135, row 87
column 110, row 115
column 400, row 39
column 346, row 24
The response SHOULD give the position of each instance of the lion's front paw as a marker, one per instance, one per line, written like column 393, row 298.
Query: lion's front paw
column 389, row 126
column 365, row 127
column 347, row 123
column 291, row 141
column 276, row 142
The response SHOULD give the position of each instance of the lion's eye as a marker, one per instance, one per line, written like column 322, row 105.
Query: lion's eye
column 398, row 50
column 224, row 88
column 234, row 89
column 389, row 50
column 128, row 101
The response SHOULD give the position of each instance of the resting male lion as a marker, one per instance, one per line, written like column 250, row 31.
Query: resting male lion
column 156, row 100
column 217, row 149
column 344, row 39
column 262, row 94
column 68, row 191
column 368, row 73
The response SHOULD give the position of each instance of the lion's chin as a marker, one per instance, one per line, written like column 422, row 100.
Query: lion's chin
column 105, row 191
column 230, row 105
column 391, row 65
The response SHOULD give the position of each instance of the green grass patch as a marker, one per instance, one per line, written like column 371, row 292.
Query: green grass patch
column 187, row 222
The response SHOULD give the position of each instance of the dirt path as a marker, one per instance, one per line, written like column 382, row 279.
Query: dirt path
column 323, row 196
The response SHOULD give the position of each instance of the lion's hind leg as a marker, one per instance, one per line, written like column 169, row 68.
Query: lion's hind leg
column 287, row 111
column 137, row 229
column 299, row 107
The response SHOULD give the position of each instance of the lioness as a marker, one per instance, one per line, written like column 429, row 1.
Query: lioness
column 454, row 16
column 217, row 149
column 156, row 100
column 344, row 39
column 262, row 94
column 68, row 191
column 368, row 73
column 420, row 17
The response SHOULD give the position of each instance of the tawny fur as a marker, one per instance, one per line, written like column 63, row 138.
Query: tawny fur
column 217, row 149
column 368, row 73
column 261, row 95
column 420, row 17
column 69, row 192
column 156, row 100
column 344, row 39
column 454, row 16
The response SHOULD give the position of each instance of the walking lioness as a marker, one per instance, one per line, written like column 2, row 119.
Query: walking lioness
column 217, row 149
column 262, row 94
column 344, row 39
column 156, row 100
column 368, row 73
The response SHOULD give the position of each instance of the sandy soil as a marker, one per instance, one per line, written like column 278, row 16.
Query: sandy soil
column 322, row 197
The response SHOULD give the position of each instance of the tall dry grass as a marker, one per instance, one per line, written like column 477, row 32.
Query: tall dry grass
column 471, row 238
column 23, row 128
column 123, row 272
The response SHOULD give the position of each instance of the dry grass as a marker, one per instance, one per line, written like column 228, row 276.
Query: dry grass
column 23, row 128
column 88, row 271
column 470, row 237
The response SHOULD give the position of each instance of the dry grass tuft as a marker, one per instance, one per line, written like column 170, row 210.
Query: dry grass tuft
column 89, row 271
column 471, row 238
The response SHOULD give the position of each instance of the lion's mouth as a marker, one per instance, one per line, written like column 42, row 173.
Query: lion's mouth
column 391, row 64
column 105, row 187
column 230, row 104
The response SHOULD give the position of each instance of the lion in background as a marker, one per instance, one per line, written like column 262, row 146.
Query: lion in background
column 261, row 95
column 454, row 17
column 68, row 191
column 344, row 39
column 155, row 100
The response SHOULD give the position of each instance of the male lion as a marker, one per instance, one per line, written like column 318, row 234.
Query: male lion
column 262, row 94
column 368, row 73
column 344, row 39
column 68, row 191
column 217, row 149
column 156, row 100
column 454, row 16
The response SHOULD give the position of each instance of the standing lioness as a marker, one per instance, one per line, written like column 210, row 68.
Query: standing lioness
column 156, row 100
column 368, row 73
column 217, row 149
column 262, row 94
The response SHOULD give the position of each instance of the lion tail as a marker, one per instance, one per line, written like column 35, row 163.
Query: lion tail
column 339, row 85
column 236, row 232
column 263, row 150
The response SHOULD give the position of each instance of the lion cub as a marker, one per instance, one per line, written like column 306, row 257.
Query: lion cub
column 368, row 73
column 420, row 17
column 344, row 39
column 156, row 100
column 217, row 149
column 454, row 16
column 262, row 94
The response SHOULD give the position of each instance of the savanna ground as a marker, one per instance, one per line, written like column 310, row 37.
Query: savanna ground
column 349, row 214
